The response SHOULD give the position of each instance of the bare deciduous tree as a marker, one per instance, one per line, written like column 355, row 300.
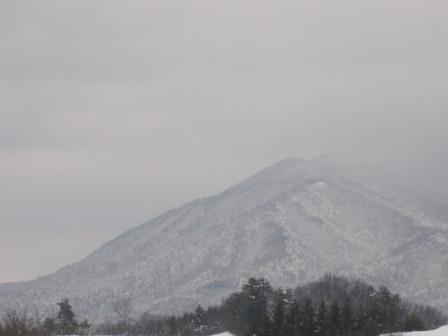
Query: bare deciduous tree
column 15, row 321
column 122, row 307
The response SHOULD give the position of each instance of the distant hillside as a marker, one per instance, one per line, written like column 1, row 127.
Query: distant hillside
column 291, row 223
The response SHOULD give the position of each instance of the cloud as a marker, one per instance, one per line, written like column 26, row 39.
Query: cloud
column 112, row 112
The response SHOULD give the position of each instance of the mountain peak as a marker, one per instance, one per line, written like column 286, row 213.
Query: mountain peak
column 290, row 223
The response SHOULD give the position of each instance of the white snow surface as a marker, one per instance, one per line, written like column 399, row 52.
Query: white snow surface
column 290, row 223
column 442, row 331
column 224, row 334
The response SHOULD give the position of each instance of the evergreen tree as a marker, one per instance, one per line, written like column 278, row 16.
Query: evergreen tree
column 388, row 310
column 335, row 319
column 346, row 318
column 413, row 323
column 257, row 310
column 234, row 314
column 172, row 325
column 66, row 319
column 293, row 320
column 308, row 319
column 375, row 321
column 256, row 293
column 322, row 320
column 198, row 321
column 361, row 321
column 278, row 323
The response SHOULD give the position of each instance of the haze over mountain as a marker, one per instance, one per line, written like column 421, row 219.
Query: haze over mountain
column 112, row 111
column 291, row 223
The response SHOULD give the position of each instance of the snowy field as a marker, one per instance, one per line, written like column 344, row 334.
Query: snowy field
column 443, row 331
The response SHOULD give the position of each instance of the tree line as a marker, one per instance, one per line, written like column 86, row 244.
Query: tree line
column 22, row 322
column 331, row 306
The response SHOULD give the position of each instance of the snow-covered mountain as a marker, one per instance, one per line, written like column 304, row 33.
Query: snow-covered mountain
column 291, row 223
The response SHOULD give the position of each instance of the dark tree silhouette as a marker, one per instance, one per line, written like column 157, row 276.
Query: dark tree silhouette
column 66, row 319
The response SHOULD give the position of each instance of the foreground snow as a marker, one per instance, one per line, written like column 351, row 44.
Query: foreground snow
column 442, row 331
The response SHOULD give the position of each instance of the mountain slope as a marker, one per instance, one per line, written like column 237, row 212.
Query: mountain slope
column 291, row 223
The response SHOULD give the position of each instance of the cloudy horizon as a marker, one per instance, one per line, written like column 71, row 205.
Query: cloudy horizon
column 113, row 112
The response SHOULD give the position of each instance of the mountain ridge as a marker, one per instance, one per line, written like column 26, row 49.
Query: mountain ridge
column 290, row 222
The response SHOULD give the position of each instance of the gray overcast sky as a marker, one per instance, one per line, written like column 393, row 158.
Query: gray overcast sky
column 113, row 111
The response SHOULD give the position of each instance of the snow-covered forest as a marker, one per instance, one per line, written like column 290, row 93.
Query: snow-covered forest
column 331, row 306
